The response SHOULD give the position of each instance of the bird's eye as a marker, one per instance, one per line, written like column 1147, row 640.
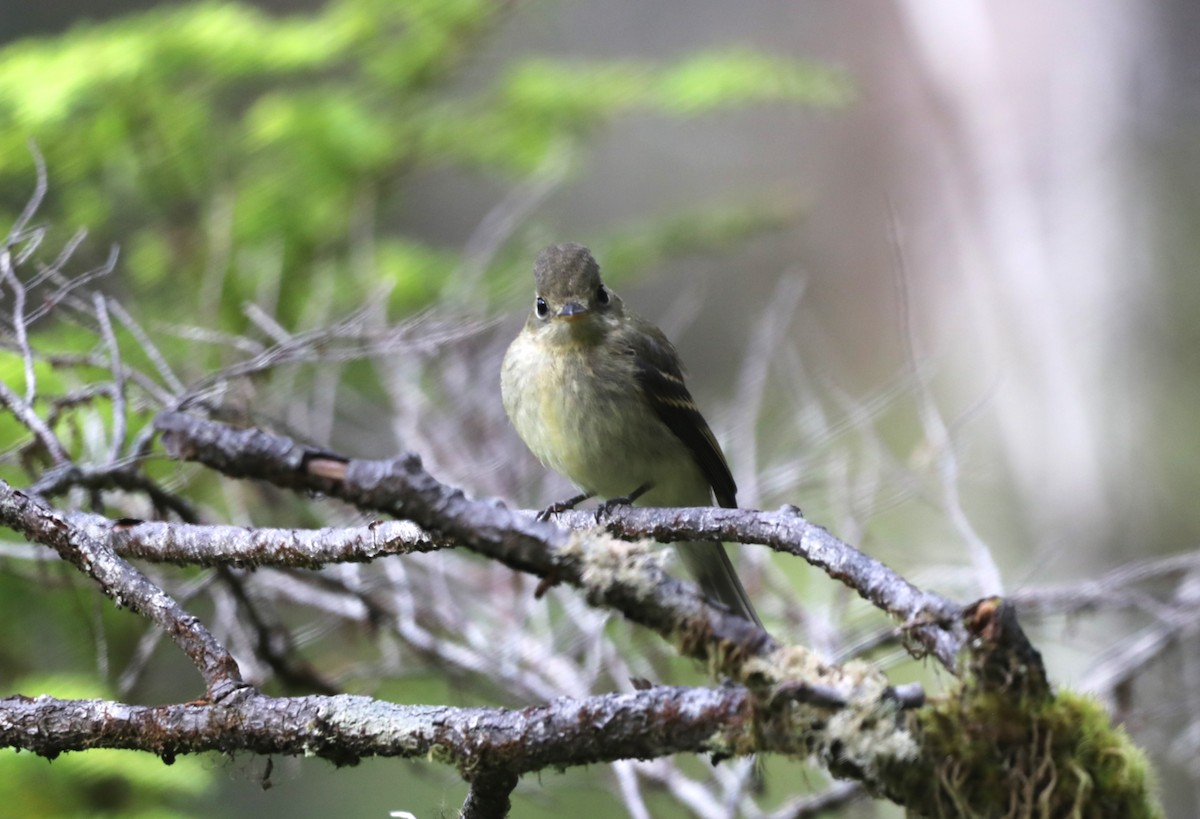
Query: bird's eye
column 602, row 295
column 541, row 308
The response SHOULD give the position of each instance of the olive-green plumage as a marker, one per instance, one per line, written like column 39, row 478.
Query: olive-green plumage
column 598, row 395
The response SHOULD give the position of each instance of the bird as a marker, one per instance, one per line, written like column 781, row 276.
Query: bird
column 597, row 393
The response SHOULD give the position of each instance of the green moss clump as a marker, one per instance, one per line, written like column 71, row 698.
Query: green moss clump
column 985, row 754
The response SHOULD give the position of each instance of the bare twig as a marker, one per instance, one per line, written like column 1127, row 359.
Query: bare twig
column 499, row 223
column 344, row 341
column 631, row 794
column 938, row 434
column 119, row 475
column 40, row 187
column 273, row 643
column 66, row 287
column 837, row 795
column 174, row 385
column 53, row 271
column 753, row 380
column 118, row 384
column 1127, row 658
column 1113, row 589
column 33, row 422
column 19, row 323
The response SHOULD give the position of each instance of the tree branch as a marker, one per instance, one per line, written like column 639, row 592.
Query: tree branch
column 848, row 717
column 196, row 545
column 123, row 583
column 59, row 479
column 932, row 620
column 623, row 576
column 344, row 729
column 403, row 488
column 488, row 797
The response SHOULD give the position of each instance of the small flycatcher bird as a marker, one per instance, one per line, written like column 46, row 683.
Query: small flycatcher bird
column 597, row 394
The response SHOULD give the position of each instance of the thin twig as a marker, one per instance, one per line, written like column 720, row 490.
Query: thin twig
column 499, row 223
column 53, row 271
column 835, row 796
column 118, row 384
column 273, row 643
column 41, row 185
column 33, row 422
column 938, row 434
column 152, row 352
column 63, row 295
column 119, row 475
column 20, row 324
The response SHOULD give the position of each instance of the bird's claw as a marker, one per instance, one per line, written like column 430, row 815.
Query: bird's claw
column 603, row 510
column 563, row 506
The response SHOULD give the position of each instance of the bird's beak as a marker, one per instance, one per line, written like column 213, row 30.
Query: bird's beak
column 572, row 311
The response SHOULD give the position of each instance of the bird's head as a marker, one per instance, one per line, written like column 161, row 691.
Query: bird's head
column 571, row 301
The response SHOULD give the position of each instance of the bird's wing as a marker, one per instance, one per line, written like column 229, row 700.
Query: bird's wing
column 661, row 379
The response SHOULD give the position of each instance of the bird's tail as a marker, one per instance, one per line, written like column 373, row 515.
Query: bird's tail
column 710, row 565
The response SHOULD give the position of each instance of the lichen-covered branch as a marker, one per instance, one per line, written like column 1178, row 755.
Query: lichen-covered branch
column 219, row 545
column 847, row 716
column 123, row 583
column 931, row 620
column 403, row 488
column 344, row 729
column 627, row 577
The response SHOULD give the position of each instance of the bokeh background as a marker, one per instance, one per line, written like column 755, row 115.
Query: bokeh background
column 932, row 265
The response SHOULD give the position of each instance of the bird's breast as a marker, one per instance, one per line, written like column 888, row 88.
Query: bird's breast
column 582, row 413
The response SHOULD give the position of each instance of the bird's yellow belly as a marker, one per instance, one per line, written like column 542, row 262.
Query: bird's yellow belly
column 607, row 440
column 590, row 422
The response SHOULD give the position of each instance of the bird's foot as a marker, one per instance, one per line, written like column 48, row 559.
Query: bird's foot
column 563, row 506
column 612, row 503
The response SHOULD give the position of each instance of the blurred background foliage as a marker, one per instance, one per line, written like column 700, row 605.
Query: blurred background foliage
column 213, row 141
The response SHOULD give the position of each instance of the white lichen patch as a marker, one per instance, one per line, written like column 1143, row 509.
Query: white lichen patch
column 867, row 734
column 789, row 663
column 845, row 710
column 608, row 562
